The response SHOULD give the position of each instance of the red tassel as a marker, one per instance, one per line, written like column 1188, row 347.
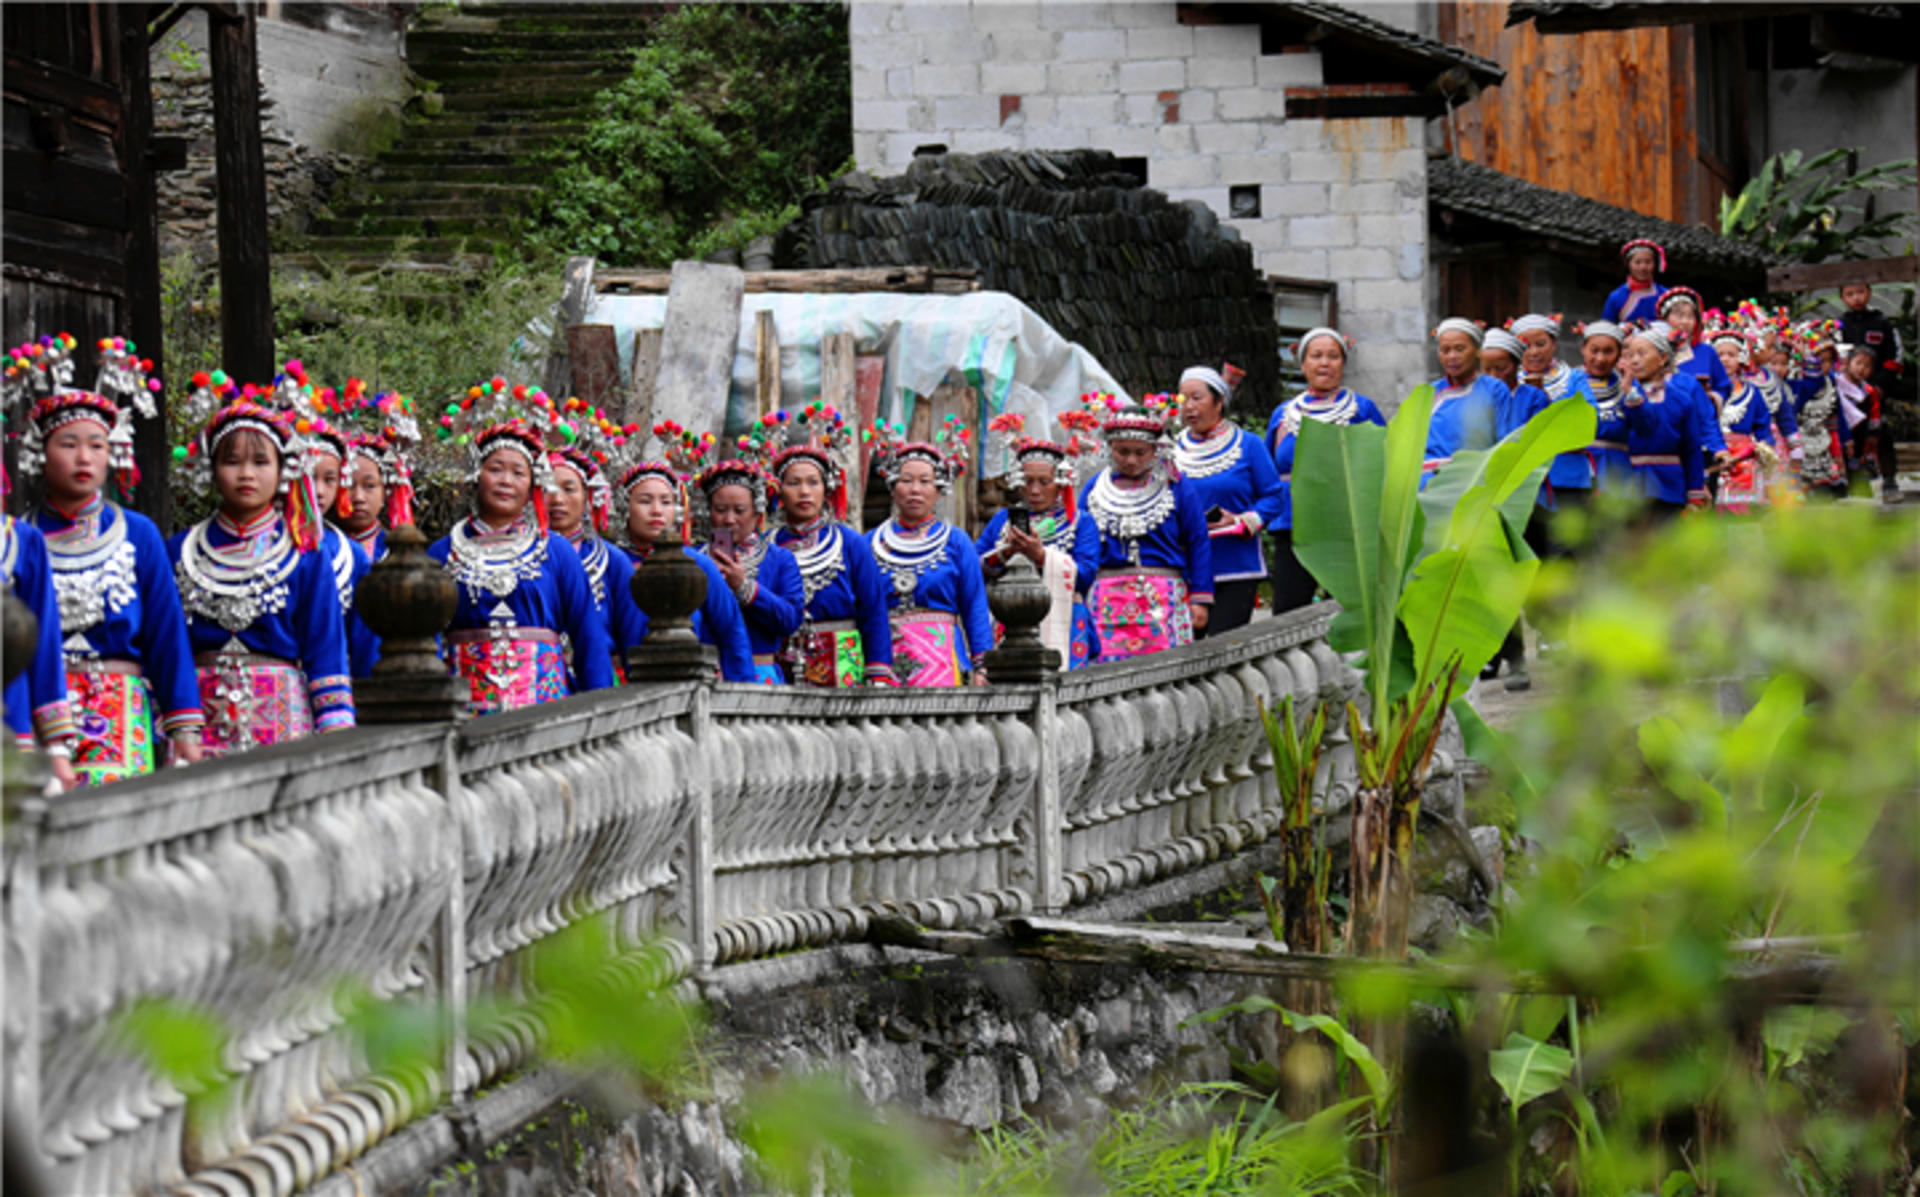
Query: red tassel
column 1071, row 505
column 125, row 480
column 303, row 515
column 400, row 504
column 600, row 520
column 840, row 501
column 540, row 508
column 343, row 503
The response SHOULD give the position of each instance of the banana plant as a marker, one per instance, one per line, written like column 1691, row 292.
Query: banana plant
column 1794, row 207
column 1428, row 583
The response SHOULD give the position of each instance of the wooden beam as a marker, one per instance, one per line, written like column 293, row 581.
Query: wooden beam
column 142, row 314
column 766, row 363
column 899, row 279
column 839, row 386
column 576, row 295
column 240, row 165
column 1833, row 274
column 593, row 355
column 697, row 346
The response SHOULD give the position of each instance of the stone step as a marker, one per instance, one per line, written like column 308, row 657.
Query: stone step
column 420, row 249
column 506, row 201
column 440, row 169
column 505, row 152
column 433, row 228
column 463, row 75
column 430, row 134
column 440, row 45
column 328, row 261
column 530, row 106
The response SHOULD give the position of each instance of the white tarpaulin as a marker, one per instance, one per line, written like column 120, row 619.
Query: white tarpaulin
column 989, row 339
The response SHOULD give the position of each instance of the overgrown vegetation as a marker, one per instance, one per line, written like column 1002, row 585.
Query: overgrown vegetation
column 731, row 114
column 1818, row 209
column 427, row 336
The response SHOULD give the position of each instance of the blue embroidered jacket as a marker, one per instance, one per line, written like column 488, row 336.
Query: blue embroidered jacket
column 856, row 592
column 36, row 699
column 955, row 584
column 1082, row 543
column 1283, row 438
column 1178, row 542
column 1664, row 439
column 148, row 628
column 1625, row 303
column 1250, row 485
column 557, row 598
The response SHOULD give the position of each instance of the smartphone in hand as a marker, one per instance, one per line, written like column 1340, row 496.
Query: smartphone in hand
column 723, row 542
column 1019, row 517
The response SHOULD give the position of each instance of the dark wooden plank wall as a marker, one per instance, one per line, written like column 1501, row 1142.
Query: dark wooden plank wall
column 79, row 253
column 1605, row 115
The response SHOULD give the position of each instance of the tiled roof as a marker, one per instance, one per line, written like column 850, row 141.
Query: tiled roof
column 1454, row 184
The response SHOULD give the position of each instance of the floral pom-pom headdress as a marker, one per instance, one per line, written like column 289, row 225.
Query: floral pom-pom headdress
column 1659, row 252
column 815, row 433
column 1150, row 419
column 1721, row 328
column 381, row 428
column 592, row 446
column 493, row 417
column 1082, row 444
column 39, row 379
column 948, row 452
column 221, row 409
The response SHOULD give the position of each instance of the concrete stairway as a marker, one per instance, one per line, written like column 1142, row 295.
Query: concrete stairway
column 512, row 79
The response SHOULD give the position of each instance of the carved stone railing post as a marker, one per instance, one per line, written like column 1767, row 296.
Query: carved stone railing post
column 408, row 600
column 699, row 880
column 450, row 932
column 670, row 587
column 1019, row 600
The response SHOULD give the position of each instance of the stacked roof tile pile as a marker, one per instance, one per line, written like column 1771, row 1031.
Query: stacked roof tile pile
column 1148, row 285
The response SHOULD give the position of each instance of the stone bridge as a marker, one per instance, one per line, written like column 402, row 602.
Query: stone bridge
column 709, row 824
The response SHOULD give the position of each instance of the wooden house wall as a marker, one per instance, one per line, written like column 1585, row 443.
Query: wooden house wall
column 79, row 252
column 1607, row 115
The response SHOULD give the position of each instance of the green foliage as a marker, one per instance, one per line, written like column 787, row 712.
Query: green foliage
column 805, row 1129
column 425, row 336
column 731, row 114
column 1298, row 916
column 1672, row 817
column 1204, row 1138
column 1794, row 207
column 1353, row 1052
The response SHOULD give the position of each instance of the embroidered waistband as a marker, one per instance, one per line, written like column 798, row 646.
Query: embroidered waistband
column 1145, row 571
column 250, row 660
column 79, row 664
column 1655, row 459
column 518, row 635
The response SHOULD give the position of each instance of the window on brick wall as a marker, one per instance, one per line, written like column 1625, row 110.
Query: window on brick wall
column 1298, row 305
column 1243, row 202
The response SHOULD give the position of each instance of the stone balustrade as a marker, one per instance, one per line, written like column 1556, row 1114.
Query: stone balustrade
column 280, row 891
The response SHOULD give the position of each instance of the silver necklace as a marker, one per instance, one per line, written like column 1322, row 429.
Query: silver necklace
column 93, row 569
column 820, row 564
column 1557, row 381
column 906, row 557
column 495, row 566
column 1129, row 514
column 1734, row 409
column 9, row 545
column 593, row 555
column 1338, row 408
column 1203, row 458
column 237, row 585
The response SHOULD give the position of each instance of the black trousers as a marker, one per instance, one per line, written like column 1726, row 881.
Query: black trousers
column 1232, row 606
column 1293, row 586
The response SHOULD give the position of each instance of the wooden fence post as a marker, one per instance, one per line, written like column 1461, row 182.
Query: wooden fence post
column 766, row 363
column 646, row 366
column 246, row 279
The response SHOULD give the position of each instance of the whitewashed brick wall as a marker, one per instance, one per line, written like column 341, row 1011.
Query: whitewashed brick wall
column 1344, row 200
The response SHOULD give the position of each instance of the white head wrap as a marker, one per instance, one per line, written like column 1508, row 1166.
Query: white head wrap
column 1603, row 328
column 1535, row 322
column 1208, row 375
column 1500, row 338
column 1461, row 325
column 1314, row 334
column 1659, row 334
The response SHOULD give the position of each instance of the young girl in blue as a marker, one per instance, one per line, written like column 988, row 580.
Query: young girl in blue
column 1322, row 355
column 524, row 598
column 129, row 666
column 658, row 511
column 937, row 595
column 36, row 700
column 1633, row 301
column 1154, row 589
column 845, row 636
column 764, row 577
column 1232, row 477
column 262, row 603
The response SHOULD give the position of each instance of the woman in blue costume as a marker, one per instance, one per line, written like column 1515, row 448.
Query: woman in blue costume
column 1470, row 410
column 521, row 588
column 129, row 666
column 1046, row 529
column 1632, row 302
column 1322, row 354
column 1601, row 343
column 845, row 637
column 1745, row 423
column 1681, row 312
column 1154, row 587
column 1663, row 442
column 326, row 461
column 578, row 513
column 764, row 577
column 376, row 480
column 1766, row 369
column 937, row 595
column 1571, row 478
column 262, row 604
column 1232, row 475
column 659, row 512
column 36, row 700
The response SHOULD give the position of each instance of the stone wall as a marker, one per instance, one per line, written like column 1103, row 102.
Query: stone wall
column 1341, row 200
column 333, row 82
